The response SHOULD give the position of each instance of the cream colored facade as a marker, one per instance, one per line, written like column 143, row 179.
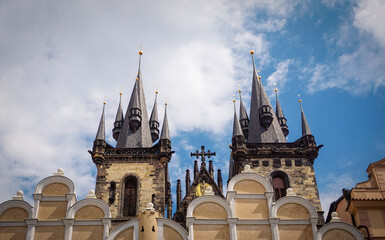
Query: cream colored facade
column 248, row 212
column 364, row 205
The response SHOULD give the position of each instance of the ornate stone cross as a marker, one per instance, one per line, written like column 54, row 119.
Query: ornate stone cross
column 202, row 154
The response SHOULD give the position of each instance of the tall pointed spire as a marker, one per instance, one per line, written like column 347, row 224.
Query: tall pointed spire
column 135, row 132
column 119, row 118
column 154, row 124
column 243, row 117
column 237, row 131
column 263, row 124
column 165, row 135
column 305, row 125
column 101, row 134
column 279, row 113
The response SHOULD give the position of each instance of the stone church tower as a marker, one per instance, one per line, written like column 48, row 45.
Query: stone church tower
column 259, row 145
column 135, row 172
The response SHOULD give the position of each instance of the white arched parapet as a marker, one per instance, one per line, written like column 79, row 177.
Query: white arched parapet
column 55, row 179
column 341, row 226
column 294, row 199
column 174, row 225
column 209, row 198
column 16, row 204
column 250, row 176
column 89, row 202
column 122, row 227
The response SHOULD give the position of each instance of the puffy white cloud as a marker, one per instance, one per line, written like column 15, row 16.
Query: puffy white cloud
column 359, row 69
column 61, row 59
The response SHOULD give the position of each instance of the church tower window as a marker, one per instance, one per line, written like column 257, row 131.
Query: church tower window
column 130, row 196
column 280, row 184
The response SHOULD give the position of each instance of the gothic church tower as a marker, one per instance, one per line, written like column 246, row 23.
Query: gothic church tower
column 135, row 172
column 259, row 145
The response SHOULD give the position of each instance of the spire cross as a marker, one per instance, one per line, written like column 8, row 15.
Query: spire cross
column 202, row 154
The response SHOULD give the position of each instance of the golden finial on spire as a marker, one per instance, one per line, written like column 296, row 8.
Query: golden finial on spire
column 136, row 79
column 299, row 98
column 105, row 99
column 166, row 101
column 157, row 87
column 233, row 100
column 259, row 77
column 121, row 90
column 251, row 51
column 140, row 50
column 275, row 90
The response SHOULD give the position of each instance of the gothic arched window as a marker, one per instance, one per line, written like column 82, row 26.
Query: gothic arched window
column 280, row 183
column 130, row 196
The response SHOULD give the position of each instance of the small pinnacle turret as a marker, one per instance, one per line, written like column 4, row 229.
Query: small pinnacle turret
column 154, row 124
column 165, row 135
column 281, row 118
column 243, row 117
column 118, row 120
column 100, row 145
column 237, row 131
column 305, row 125
column 101, row 134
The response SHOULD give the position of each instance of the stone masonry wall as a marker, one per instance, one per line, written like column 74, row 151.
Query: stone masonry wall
column 299, row 170
column 151, row 180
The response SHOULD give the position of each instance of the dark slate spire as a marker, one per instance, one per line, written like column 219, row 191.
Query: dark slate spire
column 187, row 180
column 211, row 168
column 118, row 120
column 219, row 181
column 281, row 118
column 178, row 194
column 243, row 117
column 135, row 132
column 154, row 124
column 305, row 125
column 101, row 134
column 195, row 169
column 261, row 130
column 237, row 131
column 165, row 135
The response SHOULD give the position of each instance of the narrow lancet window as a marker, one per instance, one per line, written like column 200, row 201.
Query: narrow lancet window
column 130, row 196
column 280, row 184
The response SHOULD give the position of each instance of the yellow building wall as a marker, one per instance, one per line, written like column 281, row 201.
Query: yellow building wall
column 209, row 210
column 87, row 233
column 14, row 214
column 171, row 234
column 126, row 234
column 250, row 187
column 13, row 233
column 251, row 209
column 293, row 211
column 89, row 213
column 297, row 232
column 211, row 232
column 253, row 231
column 52, row 210
column 55, row 189
column 337, row 234
column 377, row 221
column 49, row 233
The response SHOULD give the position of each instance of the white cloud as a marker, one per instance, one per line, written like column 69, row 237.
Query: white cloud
column 360, row 69
column 60, row 59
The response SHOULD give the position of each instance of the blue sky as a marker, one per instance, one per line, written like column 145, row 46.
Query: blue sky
column 60, row 60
